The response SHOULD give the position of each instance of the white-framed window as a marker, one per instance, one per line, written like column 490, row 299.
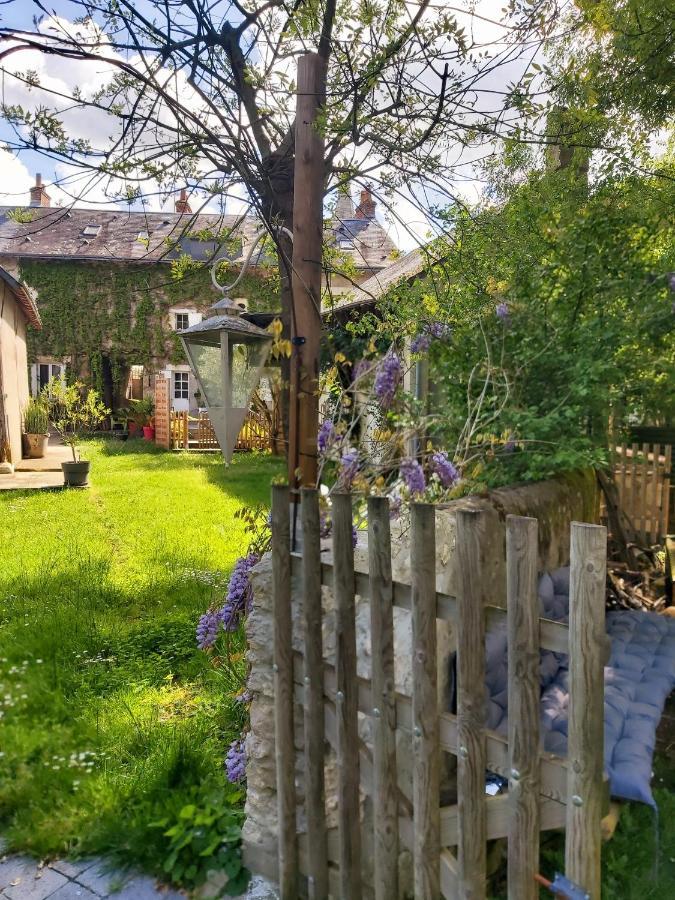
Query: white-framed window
column 181, row 385
column 43, row 372
column 181, row 321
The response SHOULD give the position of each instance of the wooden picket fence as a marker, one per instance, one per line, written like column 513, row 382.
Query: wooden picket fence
column 179, row 430
column 642, row 473
column 448, row 844
column 255, row 433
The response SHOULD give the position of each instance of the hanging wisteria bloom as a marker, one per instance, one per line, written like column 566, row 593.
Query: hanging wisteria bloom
column 235, row 762
column 326, row 437
column 207, row 629
column 239, row 592
column 388, row 378
column 412, row 474
column 443, row 468
column 438, row 330
column 395, row 505
column 502, row 312
column 349, row 469
column 420, row 343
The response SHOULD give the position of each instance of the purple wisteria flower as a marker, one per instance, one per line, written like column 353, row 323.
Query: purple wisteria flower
column 387, row 380
column 362, row 367
column 326, row 437
column 349, row 469
column 244, row 697
column 502, row 312
column 239, row 593
column 207, row 629
column 438, row 330
column 420, row 343
column 444, row 468
column 235, row 762
column 412, row 474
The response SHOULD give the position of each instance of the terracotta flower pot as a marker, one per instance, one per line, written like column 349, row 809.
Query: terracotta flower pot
column 76, row 474
column 148, row 432
column 36, row 445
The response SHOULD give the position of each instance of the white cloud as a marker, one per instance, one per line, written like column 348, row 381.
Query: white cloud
column 15, row 180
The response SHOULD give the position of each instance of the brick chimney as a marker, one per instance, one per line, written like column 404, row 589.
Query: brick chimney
column 38, row 194
column 183, row 204
column 366, row 207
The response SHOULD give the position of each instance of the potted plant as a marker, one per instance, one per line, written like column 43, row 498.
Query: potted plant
column 73, row 412
column 36, row 428
column 142, row 412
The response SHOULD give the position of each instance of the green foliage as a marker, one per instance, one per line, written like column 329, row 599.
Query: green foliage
column 36, row 416
column 86, row 307
column 582, row 275
column 206, row 837
column 113, row 719
column 73, row 411
column 21, row 215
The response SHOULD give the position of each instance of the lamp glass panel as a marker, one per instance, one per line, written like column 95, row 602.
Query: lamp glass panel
column 208, row 363
column 246, row 362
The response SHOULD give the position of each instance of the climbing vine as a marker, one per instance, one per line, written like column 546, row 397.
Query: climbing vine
column 106, row 317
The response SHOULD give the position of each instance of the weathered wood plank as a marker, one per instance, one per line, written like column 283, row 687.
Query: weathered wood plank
column 553, row 768
column 588, row 642
column 347, row 700
column 315, row 802
column 654, row 512
column 471, row 753
column 644, row 482
column 522, row 608
column 283, row 693
column 385, row 812
column 426, row 749
column 665, row 497
column 552, row 635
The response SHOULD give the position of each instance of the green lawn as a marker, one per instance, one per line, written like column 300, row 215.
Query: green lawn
column 112, row 720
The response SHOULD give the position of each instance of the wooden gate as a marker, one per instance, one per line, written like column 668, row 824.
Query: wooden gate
column 180, row 432
column 448, row 844
column 642, row 475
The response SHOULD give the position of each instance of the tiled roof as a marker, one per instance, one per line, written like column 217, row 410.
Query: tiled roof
column 24, row 298
column 62, row 233
column 405, row 268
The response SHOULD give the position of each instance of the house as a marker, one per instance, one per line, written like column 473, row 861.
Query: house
column 109, row 296
column 18, row 312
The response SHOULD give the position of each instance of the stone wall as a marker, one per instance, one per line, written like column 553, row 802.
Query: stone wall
column 555, row 503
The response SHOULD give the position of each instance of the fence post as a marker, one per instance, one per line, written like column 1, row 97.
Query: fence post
column 522, row 610
column 283, row 694
column 346, row 697
column 471, row 750
column 588, row 645
column 426, row 744
column 315, row 802
column 385, row 787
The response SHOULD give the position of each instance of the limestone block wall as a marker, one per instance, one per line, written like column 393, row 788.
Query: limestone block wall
column 555, row 503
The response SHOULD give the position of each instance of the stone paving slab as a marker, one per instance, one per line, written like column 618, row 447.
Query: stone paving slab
column 35, row 884
column 22, row 878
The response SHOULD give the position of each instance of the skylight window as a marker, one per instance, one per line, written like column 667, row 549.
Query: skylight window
column 91, row 230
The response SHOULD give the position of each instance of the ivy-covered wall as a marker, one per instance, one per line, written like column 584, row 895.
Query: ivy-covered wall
column 107, row 317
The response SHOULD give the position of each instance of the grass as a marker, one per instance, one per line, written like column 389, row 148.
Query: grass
column 112, row 720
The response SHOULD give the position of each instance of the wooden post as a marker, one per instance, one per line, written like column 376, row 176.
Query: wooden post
column 522, row 610
column 471, row 749
column 426, row 742
column 346, row 700
column 588, row 643
column 306, row 282
column 315, row 802
column 385, row 787
column 283, row 694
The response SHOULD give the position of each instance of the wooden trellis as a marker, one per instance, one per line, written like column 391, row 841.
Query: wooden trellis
column 448, row 844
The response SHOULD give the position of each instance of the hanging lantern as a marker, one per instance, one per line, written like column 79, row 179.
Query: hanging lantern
column 226, row 354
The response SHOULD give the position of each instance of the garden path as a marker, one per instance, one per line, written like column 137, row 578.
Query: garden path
column 23, row 878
